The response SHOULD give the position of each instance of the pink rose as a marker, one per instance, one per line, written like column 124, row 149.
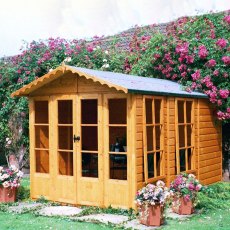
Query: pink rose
column 222, row 43
column 224, row 93
column 226, row 60
column 196, row 75
column 227, row 19
column 203, row 52
column 211, row 63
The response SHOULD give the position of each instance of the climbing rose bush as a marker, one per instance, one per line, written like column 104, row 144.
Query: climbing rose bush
column 197, row 58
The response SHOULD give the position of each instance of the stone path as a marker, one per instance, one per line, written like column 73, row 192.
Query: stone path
column 104, row 218
column 59, row 211
column 24, row 207
column 74, row 212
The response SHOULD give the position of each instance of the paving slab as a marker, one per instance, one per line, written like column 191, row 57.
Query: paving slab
column 59, row 211
column 104, row 218
column 24, row 207
column 134, row 224
column 170, row 214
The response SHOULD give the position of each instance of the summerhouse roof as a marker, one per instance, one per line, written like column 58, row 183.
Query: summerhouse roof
column 123, row 82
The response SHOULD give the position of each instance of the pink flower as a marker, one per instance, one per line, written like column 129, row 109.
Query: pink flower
column 196, row 75
column 227, row 19
column 157, row 56
column 216, row 72
column 228, row 109
column 224, row 93
column 190, row 59
column 222, row 43
column 187, row 198
column 219, row 102
column 203, row 53
column 211, row 63
column 184, row 74
column 90, row 49
column 182, row 48
column 226, row 60
column 212, row 34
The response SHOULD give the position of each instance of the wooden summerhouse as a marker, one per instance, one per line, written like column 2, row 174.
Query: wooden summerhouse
column 96, row 137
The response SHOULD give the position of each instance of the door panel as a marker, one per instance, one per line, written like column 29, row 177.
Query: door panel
column 65, row 175
column 89, row 156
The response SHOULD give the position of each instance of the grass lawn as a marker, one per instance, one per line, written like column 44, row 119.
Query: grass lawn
column 213, row 212
column 29, row 221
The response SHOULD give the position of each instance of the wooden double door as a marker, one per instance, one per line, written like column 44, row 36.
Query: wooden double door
column 77, row 157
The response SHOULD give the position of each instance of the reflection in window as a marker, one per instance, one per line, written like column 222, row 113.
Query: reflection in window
column 118, row 166
column 42, row 161
column 66, row 163
column 89, row 165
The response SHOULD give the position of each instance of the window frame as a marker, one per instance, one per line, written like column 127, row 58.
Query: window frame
column 154, row 150
column 185, row 124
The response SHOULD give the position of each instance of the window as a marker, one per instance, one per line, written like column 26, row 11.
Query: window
column 89, row 135
column 41, row 128
column 153, row 138
column 117, row 138
column 65, row 137
column 184, row 136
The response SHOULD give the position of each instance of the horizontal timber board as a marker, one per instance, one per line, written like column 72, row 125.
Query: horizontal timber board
column 210, row 155
column 210, row 168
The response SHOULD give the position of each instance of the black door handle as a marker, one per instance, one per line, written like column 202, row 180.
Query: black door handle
column 76, row 138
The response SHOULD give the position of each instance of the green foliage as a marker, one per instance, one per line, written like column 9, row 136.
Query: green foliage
column 216, row 196
column 23, row 193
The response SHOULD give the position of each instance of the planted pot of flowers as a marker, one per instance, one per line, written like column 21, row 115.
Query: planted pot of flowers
column 184, row 191
column 151, row 201
column 9, row 182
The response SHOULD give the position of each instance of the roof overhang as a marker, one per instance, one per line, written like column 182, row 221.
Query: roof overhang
column 57, row 73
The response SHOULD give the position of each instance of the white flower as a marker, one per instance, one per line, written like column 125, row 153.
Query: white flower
column 160, row 183
column 68, row 59
column 191, row 175
column 19, row 174
column 104, row 60
column 5, row 176
column 105, row 66
column 50, row 70
column 1, row 168
column 106, row 52
column 14, row 168
column 98, row 47
column 6, row 184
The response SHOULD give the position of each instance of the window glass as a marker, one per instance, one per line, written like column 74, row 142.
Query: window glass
column 89, row 111
column 42, row 161
column 66, row 163
column 41, row 112
column 65, row 111
column 157, row 111
column 118, row 166
column 180, row 112
column 89, row 165
column 150, row 160
column 148, row 109
column 188, row 111
column 117, row 111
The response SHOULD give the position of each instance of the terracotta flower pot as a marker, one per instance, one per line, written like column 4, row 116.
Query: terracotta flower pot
column 7, row 194
column 182, row 207
column 151, row 215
